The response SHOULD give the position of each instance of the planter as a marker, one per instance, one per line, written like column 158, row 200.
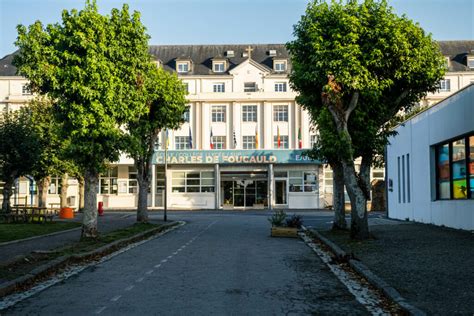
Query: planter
column 278, row 231
column 66, row 213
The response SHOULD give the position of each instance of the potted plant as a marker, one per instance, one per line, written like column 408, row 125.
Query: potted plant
column 283, row 226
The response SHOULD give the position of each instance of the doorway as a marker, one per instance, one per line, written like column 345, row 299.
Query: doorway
column 244, row 191
column 280, row 192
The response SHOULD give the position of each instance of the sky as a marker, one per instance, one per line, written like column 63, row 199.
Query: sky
column 229, row 21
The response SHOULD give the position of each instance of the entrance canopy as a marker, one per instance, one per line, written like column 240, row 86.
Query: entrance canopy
column 252, row 156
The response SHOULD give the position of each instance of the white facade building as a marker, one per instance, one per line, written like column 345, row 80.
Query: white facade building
column 240, row 95
column 430, row 164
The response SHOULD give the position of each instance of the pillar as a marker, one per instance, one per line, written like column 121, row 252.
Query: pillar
column 217, row 177
column 270, row 186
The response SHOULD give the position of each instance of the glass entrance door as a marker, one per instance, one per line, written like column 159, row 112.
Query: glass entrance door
column 244, row 193
column 280, row 192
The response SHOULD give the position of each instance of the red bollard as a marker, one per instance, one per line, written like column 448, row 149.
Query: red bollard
column 100, row 209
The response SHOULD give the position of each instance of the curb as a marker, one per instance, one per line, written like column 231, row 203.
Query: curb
column 372, row 278
column 6, row 243
column 44, row 270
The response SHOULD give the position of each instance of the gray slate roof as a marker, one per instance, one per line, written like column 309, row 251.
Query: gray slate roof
column 202, row 55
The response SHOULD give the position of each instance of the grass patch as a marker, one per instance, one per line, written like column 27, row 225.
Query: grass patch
column 34, row 260
column 15, row 231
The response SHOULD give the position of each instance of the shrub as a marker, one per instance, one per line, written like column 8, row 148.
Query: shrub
column 277, row 218
column 294, row 221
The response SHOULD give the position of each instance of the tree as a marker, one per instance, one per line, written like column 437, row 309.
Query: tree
column 19, row 150
column 52, row 159
column 93, row 67
column 324, row 150
column 166, row 104
column 364, row 64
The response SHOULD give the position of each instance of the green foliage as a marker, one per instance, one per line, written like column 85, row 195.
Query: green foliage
column 19, row 145
column 367, row 48
column 278, row 218
column 93, row 67
column 294, row 221
column 165, row 106
column 52, row 160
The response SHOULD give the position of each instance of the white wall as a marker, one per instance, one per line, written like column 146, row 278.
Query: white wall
column 450, row 118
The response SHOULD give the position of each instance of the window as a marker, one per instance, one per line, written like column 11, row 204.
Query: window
column 108, row 182
column 470, row 62
column 132, row 180
column 280, row 66
column 455, row 169
column 445, row 85
column 249, row 113
column 250, row 87
column 302, row 181
column 280, row 87
column 192, row 181
column 181, row 142
column 186, row 115
column 218, row 66
column 186, row 86
column 280, row 113
column 25, row 90
column 55, row 185
column 248, row 142
column 218, row 113
column 313, row 139
column 283, row 142
column 183, row 67
column 218, row 87
column 219, row 142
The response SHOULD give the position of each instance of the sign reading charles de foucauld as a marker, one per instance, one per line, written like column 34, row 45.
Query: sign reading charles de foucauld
column 253, row 156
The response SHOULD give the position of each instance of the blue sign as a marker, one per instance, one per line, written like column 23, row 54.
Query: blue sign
column 246, row 156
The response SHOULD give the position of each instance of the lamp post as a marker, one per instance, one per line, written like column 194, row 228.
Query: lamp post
column 165, row 208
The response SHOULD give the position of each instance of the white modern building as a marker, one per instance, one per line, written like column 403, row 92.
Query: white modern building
column 430, row 164
column 243, row 140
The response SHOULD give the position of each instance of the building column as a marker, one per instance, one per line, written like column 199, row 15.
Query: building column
column 153, row 185
column 217, row 177
column 270, row 186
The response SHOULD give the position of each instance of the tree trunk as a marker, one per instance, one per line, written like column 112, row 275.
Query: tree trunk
column 81, row 192
column 89, row 222
column 64, row 187
column 359, row 224
column 142, row 208
column 7, row 193
column 43, row 187
column 338, row 197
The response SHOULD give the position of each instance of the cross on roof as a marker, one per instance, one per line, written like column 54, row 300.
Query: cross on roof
column 249, row 50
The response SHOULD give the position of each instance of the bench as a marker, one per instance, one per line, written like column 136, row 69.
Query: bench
column 28, row 214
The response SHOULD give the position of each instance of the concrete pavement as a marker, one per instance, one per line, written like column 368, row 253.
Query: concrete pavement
column 215, row 265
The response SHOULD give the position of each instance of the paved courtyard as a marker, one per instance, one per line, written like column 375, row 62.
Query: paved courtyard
column 217, row 264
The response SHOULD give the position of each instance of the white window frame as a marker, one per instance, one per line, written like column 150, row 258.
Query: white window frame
column 248, row 142
column 444, row 85
column 187, row 182
column 25, row 90
column 183, row 66
column 250, row 87
column 249, row 113
column 218, row 66
column 187, row 114
column 55, row 185
column 218, row 113
column 218, row 87
column 303, row 181
column 132, row 180
column 280, row 86
column 312, row 140
column 280, row 113
column 284, row 142
column 219, row 142
column 280, row 66
column 470, row 62
column 181, row 142
column 109, row 180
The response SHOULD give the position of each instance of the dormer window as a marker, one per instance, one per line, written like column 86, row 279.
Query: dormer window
column 279, row 65
column 218, row 66
column 470, row 62
column 183, row 66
